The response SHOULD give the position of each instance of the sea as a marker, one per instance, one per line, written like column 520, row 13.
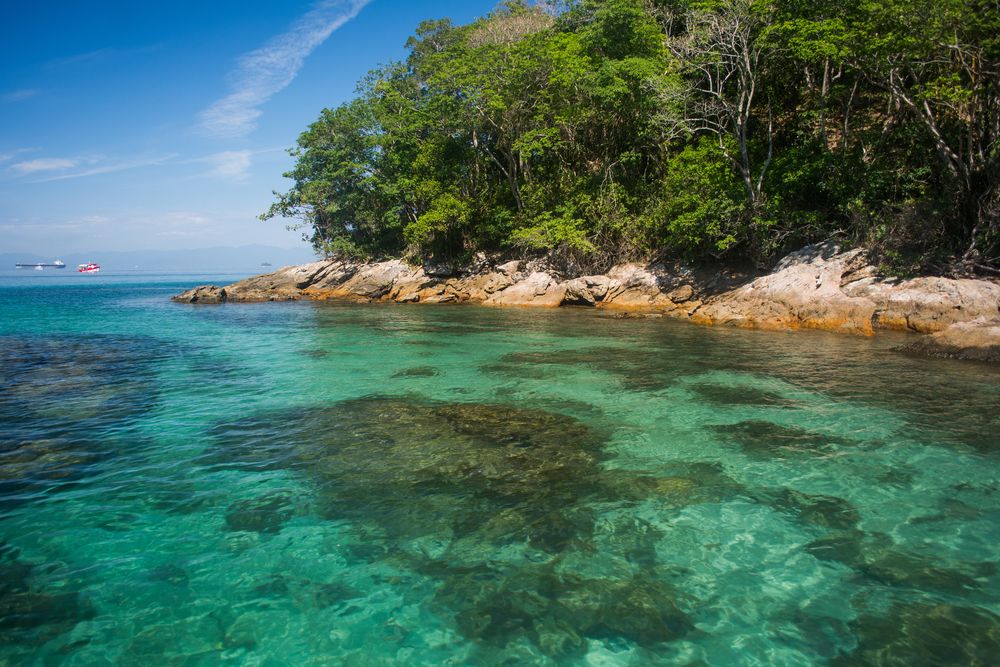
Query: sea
column 352, row 484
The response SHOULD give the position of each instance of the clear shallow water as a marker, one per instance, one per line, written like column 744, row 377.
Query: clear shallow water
column 313, row 484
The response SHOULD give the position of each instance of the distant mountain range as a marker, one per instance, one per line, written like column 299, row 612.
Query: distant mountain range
column 208, row 260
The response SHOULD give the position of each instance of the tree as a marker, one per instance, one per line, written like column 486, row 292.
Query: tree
column 722, row 55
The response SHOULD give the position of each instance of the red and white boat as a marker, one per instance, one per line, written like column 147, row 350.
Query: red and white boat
column 88, row 268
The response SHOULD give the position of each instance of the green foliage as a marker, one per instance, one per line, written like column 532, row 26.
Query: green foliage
column 599, row 132
column 703, row 209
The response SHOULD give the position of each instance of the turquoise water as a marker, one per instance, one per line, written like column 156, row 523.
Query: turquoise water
column 334, row 484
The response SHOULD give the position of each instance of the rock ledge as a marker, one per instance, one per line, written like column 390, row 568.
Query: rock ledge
column 817, row 287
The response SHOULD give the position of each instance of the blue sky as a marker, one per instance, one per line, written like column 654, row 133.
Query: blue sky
column 127, row 125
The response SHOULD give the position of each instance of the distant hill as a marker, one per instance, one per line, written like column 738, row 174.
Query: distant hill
column 244, row 258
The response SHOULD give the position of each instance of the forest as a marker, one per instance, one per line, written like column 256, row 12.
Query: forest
column 602, row 131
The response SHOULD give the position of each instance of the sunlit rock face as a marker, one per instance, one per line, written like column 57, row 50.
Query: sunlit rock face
column 817, row 287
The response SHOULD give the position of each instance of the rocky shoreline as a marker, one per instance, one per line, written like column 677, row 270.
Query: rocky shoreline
column 818, row 287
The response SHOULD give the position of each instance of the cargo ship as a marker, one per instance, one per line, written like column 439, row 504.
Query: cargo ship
column 39, row 266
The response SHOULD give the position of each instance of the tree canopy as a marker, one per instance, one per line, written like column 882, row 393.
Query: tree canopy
column 605, row 130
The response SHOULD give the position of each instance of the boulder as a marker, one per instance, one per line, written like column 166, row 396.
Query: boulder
column 803, row 292
column 538, row 289
column 371, row 281
column 480, row 286
column 820, row 287
column 202, row 294
column 586, row 291
column 636, row 287
column 439, row 270
column 285, row 284
column 977, row 340
column 927, row 304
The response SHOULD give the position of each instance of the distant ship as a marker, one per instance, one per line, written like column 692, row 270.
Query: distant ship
column 265, row 263
column 39, row 266
column 88, row 268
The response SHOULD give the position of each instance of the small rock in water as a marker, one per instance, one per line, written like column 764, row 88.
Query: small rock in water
column 740, row 395
column 170, row 573
column 261, row 515
column 812, row 509
column 763, row 438
column 416, row 372
column 333, row 593
column 275, row 586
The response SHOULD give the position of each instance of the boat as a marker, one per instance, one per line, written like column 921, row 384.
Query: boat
column 40, row 266
column 88, row 268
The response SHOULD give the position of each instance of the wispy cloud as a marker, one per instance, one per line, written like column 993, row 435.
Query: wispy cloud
column 85, row 222
column 19, row 95
column 82, row 58
column 99, row 55
column 230, row 165
column 10, row 155
column 108, row 168
column 262, row 73
column 44, row 164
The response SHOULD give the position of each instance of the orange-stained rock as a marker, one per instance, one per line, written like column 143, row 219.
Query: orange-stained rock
column 976, row 340
column 818, row 287
column 538, row 289
column 803, row 292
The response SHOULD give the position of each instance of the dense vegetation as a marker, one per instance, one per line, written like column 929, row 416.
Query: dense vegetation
column 604, row 130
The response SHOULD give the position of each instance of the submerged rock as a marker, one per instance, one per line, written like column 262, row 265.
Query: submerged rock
column 31, row 610
column 558, row 612
column 739, row 395
column 877, row 560
column 58, row 396
column 763, row 438
column 452, row 490
column 266, row 514
column 425, row 467
column 416, row 372
column 926, row 633
column 812, row 509
column 635, row 369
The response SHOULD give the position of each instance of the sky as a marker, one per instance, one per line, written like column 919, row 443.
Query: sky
column 165, row 124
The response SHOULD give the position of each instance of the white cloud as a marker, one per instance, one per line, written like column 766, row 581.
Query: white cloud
column 230, row 165
column 19, row 95
column 106, row 168
column 44, row 164
column 10, row 155
column 262, row 73
column 185, row 218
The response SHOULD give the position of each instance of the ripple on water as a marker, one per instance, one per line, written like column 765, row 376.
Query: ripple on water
column 551, row 489
column 67, row 405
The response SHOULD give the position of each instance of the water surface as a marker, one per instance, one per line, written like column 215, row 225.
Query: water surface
column 313, row 484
